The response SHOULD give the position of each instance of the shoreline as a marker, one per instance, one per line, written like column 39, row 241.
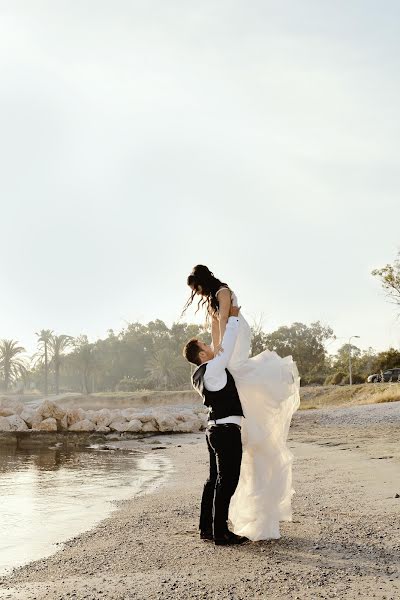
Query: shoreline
column 343, row 541
column 74, row 504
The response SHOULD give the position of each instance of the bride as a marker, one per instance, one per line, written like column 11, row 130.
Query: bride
column 268, row 386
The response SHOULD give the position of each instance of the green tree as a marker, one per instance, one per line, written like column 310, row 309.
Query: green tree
column 84, row 360
column 43, row 355
column 12, row 365
column 306, row 344
column 166, row 369
column 389, row 359
column 258, row 338
column 389, row 277
column 58, row 345
column 341, row 359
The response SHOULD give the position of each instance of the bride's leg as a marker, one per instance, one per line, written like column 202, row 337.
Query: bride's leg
column 242, row 347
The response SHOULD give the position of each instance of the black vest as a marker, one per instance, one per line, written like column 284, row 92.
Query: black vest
column 223, row 403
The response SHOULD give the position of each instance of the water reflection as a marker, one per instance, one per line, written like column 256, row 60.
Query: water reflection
column 49, row 495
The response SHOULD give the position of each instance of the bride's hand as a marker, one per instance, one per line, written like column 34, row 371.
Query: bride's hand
column 218, row 350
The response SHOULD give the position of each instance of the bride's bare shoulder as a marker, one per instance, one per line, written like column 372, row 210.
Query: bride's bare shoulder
column 223, row 287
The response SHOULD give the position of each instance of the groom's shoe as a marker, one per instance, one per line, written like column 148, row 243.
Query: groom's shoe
column 230, row 539
column 206, row 535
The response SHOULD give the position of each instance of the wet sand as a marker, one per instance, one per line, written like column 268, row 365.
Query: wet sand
column 344, row 541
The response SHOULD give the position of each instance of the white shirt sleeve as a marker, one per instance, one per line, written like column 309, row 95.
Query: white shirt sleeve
column 215, row 376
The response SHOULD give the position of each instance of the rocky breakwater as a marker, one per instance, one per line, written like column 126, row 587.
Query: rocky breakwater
column 15, row 417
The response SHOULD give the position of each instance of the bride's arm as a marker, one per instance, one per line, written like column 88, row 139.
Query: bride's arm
column 224, row 299
column 215, row 331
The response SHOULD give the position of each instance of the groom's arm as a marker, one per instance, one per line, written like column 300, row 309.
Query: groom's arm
column 215, row 376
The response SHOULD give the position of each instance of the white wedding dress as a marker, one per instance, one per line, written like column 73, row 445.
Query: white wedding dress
column 269, row 390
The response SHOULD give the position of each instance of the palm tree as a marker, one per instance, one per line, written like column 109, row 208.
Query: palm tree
column 57, row 345
column 166, row 368
column 11, row 365
column 42, row 356
column 84, row 358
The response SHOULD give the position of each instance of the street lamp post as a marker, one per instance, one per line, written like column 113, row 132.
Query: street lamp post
column 350, row 374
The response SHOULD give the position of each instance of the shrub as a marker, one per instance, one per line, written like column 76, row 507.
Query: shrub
column 356, row 378
column 336, row 378
column 316, row 380
column 130, row 384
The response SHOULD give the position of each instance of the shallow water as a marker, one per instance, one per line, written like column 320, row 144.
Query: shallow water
column 49, row 495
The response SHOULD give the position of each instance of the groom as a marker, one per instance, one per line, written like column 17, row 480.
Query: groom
column 223, row 433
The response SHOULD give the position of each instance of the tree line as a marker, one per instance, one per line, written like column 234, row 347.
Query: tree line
column 144, row 357
column 149, row 356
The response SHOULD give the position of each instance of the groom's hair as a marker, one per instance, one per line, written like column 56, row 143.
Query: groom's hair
column 191, row 351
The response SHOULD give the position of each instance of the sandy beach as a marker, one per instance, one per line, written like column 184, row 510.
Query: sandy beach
column 344, row 541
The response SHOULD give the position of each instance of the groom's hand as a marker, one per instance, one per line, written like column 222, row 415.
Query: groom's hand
column 234, row 311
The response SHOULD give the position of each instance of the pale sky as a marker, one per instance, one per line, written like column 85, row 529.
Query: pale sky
column 138, row 138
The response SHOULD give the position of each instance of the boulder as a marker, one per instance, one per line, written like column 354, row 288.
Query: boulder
column 135, row 425
column 149, row 426
column 49, row 424
column 102, row 429
column 166, row 422
column 145, row 417
column 187, row 423
column 103, row 417
column 200, row 409
column 117, row 415
column 74, row 415
column 203, row 422
column 128, row 412
column 119, row 425
column 28, row 415
column 4, row 424
column 91, row 415
column 64, row 422
column 10, row 406
column 16, row 423
column 49, row 409
column 84, row 425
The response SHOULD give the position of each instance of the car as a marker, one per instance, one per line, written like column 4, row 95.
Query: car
column 373, row 378
column 388, row 375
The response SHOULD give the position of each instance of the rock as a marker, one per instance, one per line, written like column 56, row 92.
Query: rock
column 64, row 422
column 203, row 423
column 149, row 426
column 50, row 409
column 187, row 422
column 119, row 425
column 145, row 417
column 10, row 406
column 28, row 415
column 4, row 424
column 128, row 413
column 16, row 423
column 75, row 415
column 103, row 417
column 166, row 422
column 84, row 425
column 116, row 415
column 200, row 410
column 36, row 420
column 102, row 429
column 49, row 424
column 397, row 495
column 134, row 425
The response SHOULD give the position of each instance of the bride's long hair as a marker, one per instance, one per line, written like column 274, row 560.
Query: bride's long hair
column 202, row 276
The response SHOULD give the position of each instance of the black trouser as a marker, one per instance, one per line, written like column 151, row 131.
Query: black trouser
column 225, row 448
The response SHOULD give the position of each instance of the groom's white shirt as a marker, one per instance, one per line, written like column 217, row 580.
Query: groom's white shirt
column 215, row 377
